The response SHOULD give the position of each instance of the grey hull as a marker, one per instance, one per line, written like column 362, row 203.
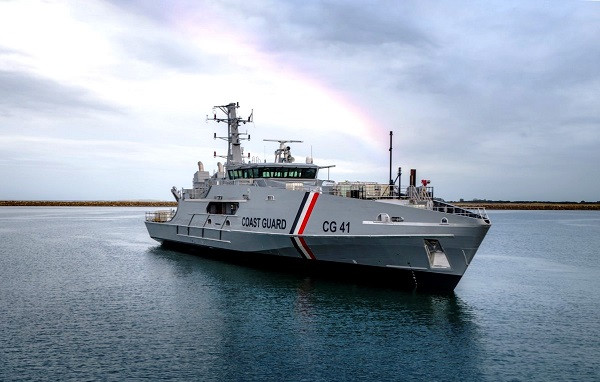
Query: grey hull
column 403, row 279
column 326, row 231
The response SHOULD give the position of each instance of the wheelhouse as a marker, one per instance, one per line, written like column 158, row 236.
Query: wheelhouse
column 274, row 170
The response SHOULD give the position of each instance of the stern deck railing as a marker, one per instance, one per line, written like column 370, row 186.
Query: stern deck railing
column 161, row 216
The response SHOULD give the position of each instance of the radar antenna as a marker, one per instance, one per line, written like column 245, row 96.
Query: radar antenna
column 234, row 137
column 283, row 154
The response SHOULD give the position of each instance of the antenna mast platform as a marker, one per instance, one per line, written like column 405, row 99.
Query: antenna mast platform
column 234, row 137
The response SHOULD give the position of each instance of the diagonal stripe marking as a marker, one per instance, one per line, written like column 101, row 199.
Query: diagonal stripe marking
column 299, row 212
column 308, row 212
column 307, row 248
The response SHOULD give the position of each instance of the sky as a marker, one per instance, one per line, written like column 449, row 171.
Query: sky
column 108, row 100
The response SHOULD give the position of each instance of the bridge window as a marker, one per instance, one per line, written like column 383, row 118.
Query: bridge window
column 274, row 172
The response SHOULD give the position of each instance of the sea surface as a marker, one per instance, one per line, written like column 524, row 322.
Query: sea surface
column 85, row 294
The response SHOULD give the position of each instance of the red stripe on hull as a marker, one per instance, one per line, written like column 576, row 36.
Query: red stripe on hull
column 308, row 212
column 307, row 248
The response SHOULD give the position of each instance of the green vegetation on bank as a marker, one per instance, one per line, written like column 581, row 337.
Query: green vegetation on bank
column 528, row 205
column 87, row 203
column 488, row 204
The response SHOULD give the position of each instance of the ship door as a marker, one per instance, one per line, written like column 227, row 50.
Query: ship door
column 218, row 215
column 213, row 226
column 436, row 254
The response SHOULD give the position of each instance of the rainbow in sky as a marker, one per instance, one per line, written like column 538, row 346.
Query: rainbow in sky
column 269, row 80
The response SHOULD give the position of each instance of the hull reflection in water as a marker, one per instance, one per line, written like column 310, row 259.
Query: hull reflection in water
column 311, row 326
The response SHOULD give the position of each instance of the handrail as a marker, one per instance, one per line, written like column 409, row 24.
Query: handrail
column 161, row 216
column 472, row 212
column 372, row 190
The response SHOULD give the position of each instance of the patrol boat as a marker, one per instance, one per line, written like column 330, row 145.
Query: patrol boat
column 282, row 213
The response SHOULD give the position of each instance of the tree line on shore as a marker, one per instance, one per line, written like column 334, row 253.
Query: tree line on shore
column 488, row 204
column 87, row 203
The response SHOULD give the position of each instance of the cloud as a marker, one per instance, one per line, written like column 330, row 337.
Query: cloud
column 33, row 94
column 164, row 52
column 483, row 98
column 307, row 26
column 42, row 167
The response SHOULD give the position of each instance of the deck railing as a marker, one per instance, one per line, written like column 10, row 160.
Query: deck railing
column 367, row 190
column 472, row 212
column 161, row 216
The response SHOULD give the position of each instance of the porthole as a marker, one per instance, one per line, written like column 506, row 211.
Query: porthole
column 209, row 221
column 444, row 220
column 227, row 223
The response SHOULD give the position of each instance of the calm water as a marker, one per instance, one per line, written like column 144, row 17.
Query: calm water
column 86, row 295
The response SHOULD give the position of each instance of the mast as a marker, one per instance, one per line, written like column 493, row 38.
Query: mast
column 390, row 178
column 234, row 150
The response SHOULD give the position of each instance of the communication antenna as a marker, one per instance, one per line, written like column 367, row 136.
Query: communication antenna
column 283, row 153
column 234, row 137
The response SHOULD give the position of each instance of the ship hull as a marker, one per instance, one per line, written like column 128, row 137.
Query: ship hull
column 328, row 235
column 401, row 279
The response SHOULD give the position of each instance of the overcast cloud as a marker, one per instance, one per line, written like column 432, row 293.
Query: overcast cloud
column 108, row 99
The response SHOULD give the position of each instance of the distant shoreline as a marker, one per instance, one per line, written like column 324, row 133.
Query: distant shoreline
column 86, row 203
column 530, row 205
column 145, row 203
